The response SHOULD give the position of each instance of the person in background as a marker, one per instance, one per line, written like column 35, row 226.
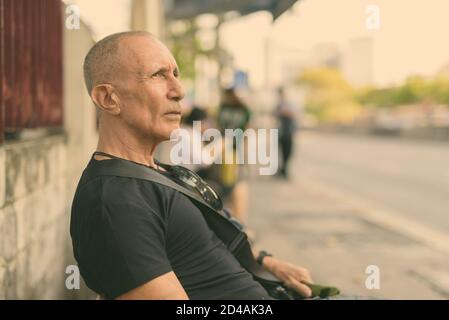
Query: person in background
column 233, row 114
column 195, row 114
column 285, row 113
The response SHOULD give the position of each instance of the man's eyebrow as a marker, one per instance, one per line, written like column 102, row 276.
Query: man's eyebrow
column 160, row 69
column 176, row 71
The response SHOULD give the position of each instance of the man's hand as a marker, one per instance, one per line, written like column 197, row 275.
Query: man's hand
column 292, row 276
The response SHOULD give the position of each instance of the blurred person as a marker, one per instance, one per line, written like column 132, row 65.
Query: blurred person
column 196, row 146
column 234, row 114
column 196, row 114
column 137, row 239
column 285, row 113
column 220, row 176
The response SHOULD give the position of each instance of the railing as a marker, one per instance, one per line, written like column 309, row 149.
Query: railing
column 30, row 65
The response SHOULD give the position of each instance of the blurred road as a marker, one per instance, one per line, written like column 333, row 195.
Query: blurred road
column 353, row 202
column 406, row 177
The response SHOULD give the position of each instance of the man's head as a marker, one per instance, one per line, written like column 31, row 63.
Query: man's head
column 133, row 79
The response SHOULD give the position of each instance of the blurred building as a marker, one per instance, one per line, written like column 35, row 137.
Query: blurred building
column 327, row 54
column 358, row 61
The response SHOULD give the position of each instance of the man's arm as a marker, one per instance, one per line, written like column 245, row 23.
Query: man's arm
column 291, row 275
column 165, row 287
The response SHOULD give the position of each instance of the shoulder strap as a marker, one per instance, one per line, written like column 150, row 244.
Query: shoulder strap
column 235, row 240
column 122, row 168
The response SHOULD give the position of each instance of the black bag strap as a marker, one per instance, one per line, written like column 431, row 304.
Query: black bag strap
column 235, row 240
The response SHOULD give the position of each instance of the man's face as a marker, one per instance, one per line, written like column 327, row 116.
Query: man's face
column 149, row 88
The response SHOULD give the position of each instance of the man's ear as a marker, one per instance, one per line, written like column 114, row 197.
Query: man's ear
column 105, row 98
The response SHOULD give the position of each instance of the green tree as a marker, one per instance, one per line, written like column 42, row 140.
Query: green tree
column 330, row 97
column 185, row 46
column 439, row 88
column 414, row 90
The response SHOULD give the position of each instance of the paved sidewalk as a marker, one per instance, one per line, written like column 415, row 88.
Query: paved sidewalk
column 301, row 222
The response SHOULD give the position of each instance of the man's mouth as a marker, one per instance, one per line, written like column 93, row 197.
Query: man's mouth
column 173, row 113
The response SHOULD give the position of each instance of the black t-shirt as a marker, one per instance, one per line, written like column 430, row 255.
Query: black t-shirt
column 126, row 232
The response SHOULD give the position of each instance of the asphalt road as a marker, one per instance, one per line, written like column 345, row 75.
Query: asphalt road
column 405, row 177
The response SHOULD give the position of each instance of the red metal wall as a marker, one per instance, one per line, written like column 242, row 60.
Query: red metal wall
column 30, row 64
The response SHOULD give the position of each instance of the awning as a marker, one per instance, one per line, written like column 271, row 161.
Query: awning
column 186, row 9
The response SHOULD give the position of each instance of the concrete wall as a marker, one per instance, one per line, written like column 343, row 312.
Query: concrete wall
column 38, row 177
column 80, row 124
column 33, row 219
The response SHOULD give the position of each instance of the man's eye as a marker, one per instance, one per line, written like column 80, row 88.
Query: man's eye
column 158, row 75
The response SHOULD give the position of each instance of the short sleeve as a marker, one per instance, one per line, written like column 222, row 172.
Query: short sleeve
column 135, row 248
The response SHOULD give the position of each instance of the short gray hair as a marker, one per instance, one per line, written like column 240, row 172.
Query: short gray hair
column 101, row 62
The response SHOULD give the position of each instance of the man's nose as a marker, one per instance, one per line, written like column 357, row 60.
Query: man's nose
column 176, row 90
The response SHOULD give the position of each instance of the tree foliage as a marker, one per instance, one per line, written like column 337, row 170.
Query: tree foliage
column 185, row 46
column 329, row 96
column 415, row 89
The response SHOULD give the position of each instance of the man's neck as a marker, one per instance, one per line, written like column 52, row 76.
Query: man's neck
column 126, row 146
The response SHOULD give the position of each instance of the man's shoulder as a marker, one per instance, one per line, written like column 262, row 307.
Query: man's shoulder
column 97, row 194
column 114, row 189
column 120, row 202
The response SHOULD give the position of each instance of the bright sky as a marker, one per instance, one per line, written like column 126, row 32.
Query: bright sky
column 411, row 39
column 104, row 16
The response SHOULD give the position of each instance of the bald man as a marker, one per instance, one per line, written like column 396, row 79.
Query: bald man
column 134, row 239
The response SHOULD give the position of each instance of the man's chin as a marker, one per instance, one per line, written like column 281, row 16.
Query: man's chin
column 167, row 135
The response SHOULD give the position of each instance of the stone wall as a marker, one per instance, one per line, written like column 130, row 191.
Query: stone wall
column 33, row 219
column 38, row 177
